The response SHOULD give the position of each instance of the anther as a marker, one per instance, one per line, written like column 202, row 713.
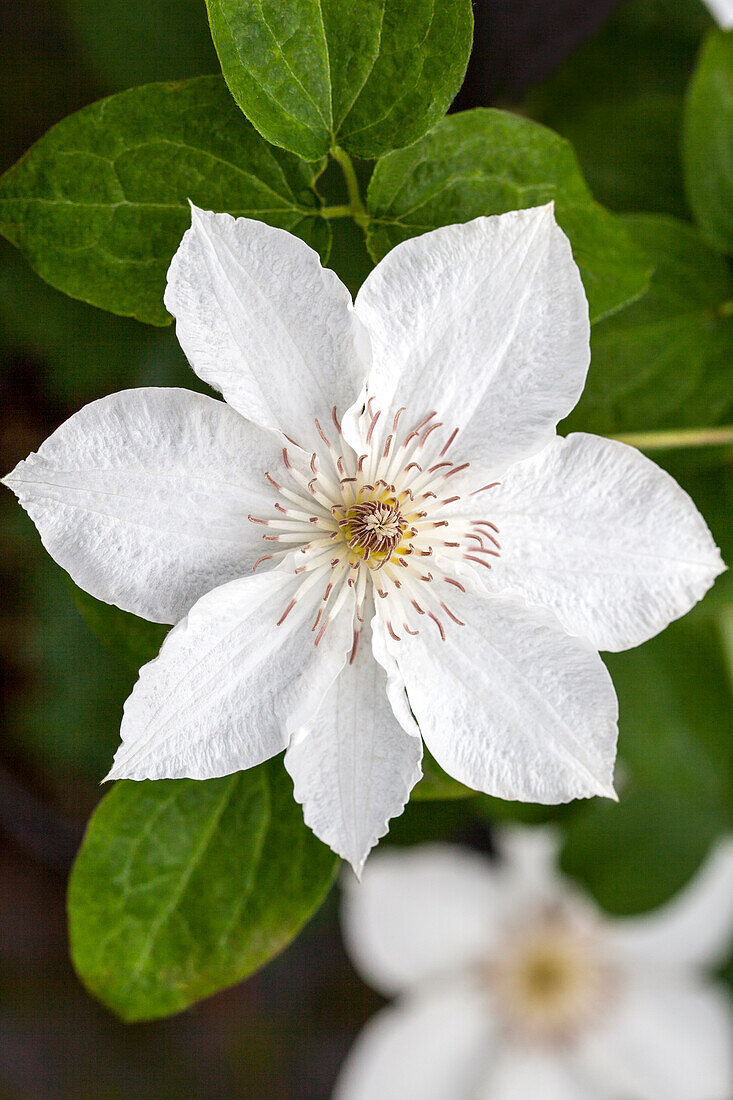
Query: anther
column 285, row 613
column 452, row 616
column 438, row 624
column 451, row 437
column 457, row 469
column 479, row 561
column 372, row 426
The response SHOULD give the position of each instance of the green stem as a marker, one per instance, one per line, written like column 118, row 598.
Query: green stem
column 335, row 211
column 685, row 437
column 356, row 206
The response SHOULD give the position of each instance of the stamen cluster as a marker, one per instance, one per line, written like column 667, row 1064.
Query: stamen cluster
column 378, row 517
column 552, row 977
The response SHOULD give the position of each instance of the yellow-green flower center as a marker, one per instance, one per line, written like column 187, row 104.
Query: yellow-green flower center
column 372, row 528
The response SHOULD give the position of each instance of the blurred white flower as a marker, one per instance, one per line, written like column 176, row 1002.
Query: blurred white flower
column 722, row 12
column 378, row 448
column 514, row 986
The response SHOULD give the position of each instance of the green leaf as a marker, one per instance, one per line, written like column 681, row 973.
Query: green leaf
column 667, row 360
column 708, row 141
column 133, row 641
column 489, row 162
column 367, row 75
column 99, row 205
column 184, row 887
column 675, row 776
column 618, row 100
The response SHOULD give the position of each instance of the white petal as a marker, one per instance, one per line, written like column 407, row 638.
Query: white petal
column 486, row 323
column 694, row 929
column 533, row 1073
column 420, row 913
column 264, row 323
column 510, row 704
column 531, row 855
column 229, row 686
column 599, row 533
column 143, row 498
column 429, row 1048
column 665, row 1041
column 354, row 769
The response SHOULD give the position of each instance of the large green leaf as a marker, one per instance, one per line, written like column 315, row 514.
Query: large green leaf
column 488, row 162
column 667, row 360
column 183, row 887
column 367, row 75
column 708, row 141
column 675, row 776
column 618, row 100
column 99, row 205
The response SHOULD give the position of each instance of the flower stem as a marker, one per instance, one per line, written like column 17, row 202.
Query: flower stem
column 685, row 437
column 335, row 211
column 356, row 207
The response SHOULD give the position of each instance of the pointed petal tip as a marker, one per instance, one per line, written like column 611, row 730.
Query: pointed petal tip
column 197, row 211
column 358, row 868
column 11, row 479
column 547, row 208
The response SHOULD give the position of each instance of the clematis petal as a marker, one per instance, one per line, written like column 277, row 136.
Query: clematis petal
column 664, row 1039
column 525, row 1072
column 143, row 497
column 485, row 322
column 262, row 321
column 354, row 769
column 427, row 1048
column 694, row 929
column 422, row 913
column 229, row 687
column 530, row 855
column 596, row 531
column 512, row 705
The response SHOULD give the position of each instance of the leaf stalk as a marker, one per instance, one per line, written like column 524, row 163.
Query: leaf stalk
column 356, row 205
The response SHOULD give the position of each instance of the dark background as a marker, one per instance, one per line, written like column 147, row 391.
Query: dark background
column 284, row 1032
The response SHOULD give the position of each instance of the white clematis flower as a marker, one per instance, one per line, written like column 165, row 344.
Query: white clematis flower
column 514, row 986
column 391, row 468
column 722, row 12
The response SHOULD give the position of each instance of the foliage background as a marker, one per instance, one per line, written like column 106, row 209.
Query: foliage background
column 611, row 77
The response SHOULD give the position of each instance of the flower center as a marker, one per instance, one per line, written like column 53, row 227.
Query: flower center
column 372, row 528
column 552, row 978
column 388, row 520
